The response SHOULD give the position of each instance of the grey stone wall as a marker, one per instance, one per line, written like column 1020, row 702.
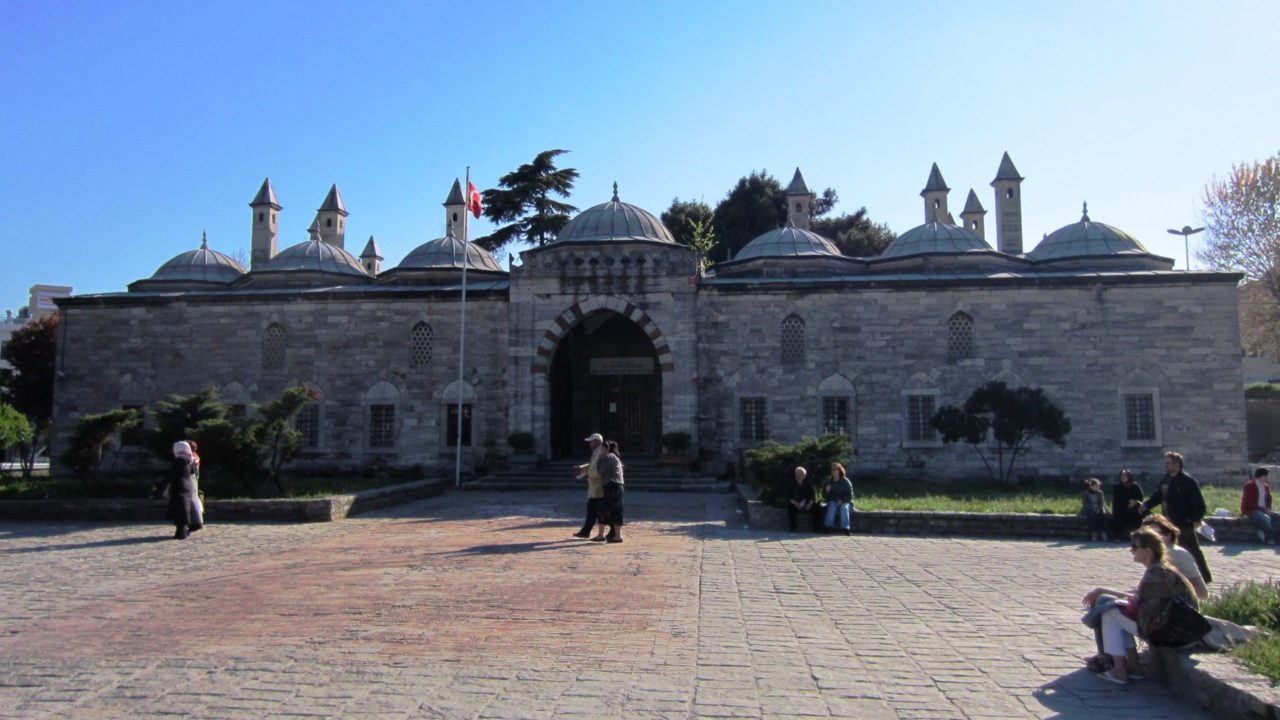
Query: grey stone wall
column 127, row 351
column 1082, row 342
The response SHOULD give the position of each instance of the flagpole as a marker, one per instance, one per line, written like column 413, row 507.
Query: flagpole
column 462, row 335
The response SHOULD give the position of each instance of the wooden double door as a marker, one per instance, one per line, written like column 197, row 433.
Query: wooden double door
column 629, row 411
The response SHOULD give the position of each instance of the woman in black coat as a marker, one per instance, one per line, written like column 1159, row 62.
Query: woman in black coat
column 182, row 487
column 1126, row 497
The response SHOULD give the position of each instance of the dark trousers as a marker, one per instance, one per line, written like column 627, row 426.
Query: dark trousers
column 1187, row 539
column 593, row 512
column 815, row 514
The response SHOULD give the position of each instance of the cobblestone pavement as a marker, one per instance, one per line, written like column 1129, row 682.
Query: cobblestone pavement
column 482, row 606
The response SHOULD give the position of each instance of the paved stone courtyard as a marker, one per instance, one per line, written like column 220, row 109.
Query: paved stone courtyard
column 482, row 606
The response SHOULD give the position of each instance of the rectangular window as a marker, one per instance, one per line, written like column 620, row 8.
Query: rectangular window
column 1140, row 417
column 382, row 426
column 309, row 425
column 451, row 426
column 920, row 409
column 835, row 416
column 751, row 419
column 136, row 435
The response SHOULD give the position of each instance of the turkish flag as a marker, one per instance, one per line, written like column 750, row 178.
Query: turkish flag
column 473, row 199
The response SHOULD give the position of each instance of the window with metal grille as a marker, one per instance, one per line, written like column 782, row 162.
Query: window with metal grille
column 792, row 339
column 308, row 424
column 382, row 426
column 420, row 345
column 960, row 337
column 273, row 347
column 920, row 409
column 835, row 416
column 1140, row 417
column 451, row 425
column 751, row 419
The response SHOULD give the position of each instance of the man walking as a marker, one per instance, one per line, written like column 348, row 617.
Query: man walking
column 1184, row 506
column 595, row 485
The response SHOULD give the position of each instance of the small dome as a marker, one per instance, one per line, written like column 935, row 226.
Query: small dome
column 447, row 252
column 934, row 238
column 315, row 255
column 200, row 265
column 615, row 220
column 1086, row 239
column 789, row 241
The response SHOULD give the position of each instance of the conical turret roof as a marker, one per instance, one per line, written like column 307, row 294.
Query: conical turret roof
column 266, row 196
column 935, row 181
column 333, row 201
column 972, row 206
column 798, row 186
column 455, row 194
column 1007, row 171
column 371, row 249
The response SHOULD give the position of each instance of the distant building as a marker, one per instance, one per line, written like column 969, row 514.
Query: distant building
column 41, row 302
column 611, row 329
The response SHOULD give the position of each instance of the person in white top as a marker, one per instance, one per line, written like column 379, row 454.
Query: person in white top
column 1179, row 558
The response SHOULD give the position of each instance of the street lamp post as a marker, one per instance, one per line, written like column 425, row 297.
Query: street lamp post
column 1186, row 232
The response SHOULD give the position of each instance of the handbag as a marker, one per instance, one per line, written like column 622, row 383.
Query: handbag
column 1183, row 625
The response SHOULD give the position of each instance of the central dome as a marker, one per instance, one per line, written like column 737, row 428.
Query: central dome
column 789, row 241
column 615, row 221
column 1086, row 239
column 448, row 252
column 934, row 238
column 315, row 255
column 200, row 265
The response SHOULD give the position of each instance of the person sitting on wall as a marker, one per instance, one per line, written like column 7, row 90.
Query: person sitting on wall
column 800, row 499
column 1178, row 557
column 1255, row 504
column 1126, row 496
column 839, row 493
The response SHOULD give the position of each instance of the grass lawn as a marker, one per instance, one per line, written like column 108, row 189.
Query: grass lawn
column 1252, row 603
column 872, row 495
column 298, row 488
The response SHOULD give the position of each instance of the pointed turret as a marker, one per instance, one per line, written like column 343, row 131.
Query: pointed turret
column 332, row 218
column 799, row 202
column 371, row 257
column 1008, row 187
column 264, row 231
column 972, row 215
column 455, row 210
column 935, row 197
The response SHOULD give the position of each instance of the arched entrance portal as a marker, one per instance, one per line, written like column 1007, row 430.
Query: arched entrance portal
column 605, row 378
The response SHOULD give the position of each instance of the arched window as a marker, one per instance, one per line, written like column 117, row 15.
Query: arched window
column 420, row 341
column 837, row 395
column 792, row 339
column 381, row 401
column 960, row 337
column 459, row 396
column 919, row 402
column 273, row 341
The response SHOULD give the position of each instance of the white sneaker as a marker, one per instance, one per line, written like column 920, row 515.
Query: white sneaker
column 1262, row 537
column 1110, row 677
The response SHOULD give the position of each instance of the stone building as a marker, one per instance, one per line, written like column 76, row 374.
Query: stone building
column 612, row 328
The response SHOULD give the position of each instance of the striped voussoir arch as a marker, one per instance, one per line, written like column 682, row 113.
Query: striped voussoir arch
column 566, row 320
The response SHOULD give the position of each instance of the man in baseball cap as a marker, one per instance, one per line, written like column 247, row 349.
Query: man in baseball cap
column 595, row 486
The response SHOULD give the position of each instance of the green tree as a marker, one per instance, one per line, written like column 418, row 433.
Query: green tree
column 702, row 241
column 755, row 205
column 32, row 351
column 772, row 465
column 256, row 446
column 1015, row 417
column 1242, row 218
column 855, row 235
column 177, row 417
column 683, row 215
column 93, row 436
column 524, row 199
column 1259, row 320
column 15, row 428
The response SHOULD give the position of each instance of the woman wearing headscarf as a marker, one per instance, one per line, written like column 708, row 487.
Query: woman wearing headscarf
column 182, row 487
column 611, row 508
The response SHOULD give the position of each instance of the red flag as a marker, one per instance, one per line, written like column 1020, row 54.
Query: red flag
column 473, row 199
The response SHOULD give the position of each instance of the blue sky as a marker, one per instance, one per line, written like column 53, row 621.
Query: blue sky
column 131, row 127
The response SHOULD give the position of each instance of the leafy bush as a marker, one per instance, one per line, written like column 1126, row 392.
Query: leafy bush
column 1252, row 603
column 772, row 465
column 521, row 442
column 91, row 438
column 677, row 443
column 1262, row 391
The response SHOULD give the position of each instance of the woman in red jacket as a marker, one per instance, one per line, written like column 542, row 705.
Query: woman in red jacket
column 1256, row 505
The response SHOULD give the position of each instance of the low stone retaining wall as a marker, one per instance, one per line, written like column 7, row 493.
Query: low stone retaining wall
column 1217, row 683
column 328, row 509
column 907, row 522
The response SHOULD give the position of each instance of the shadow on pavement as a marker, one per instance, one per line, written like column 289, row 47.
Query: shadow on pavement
column 97, row 544
column 512, row 548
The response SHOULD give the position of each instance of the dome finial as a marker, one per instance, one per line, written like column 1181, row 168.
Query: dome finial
column 615, row 191
column 204, row 240
column 1085, row 213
